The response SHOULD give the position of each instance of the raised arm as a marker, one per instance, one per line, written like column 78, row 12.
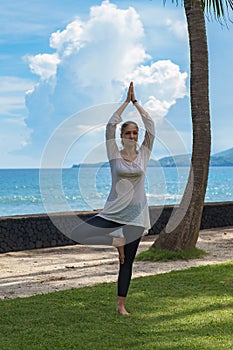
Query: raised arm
column 114, row 120
column 147, row 121
column 112, row 123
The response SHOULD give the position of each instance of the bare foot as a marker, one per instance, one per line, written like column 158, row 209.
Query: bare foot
column 122, row 310
column 121, row 252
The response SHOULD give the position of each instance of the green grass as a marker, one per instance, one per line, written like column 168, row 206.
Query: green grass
column 190, row 309
column 154, row 254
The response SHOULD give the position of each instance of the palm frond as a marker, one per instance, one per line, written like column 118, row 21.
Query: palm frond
column 176, row 1
column 219, row 9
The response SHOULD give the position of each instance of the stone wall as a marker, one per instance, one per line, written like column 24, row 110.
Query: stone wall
column 214, row 215
column 38, row 231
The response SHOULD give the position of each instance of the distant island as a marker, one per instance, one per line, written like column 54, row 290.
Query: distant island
column 224, row 158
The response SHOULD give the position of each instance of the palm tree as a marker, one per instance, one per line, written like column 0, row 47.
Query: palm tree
column 182, row 230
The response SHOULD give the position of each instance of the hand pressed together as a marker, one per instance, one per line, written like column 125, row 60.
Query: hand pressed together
column 130, row 94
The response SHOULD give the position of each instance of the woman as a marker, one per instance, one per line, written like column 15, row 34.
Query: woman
column 125, row 216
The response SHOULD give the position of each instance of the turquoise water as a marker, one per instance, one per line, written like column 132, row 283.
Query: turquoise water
column 87, row 188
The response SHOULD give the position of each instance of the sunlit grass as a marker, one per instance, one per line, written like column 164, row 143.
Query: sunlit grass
column 180, row 310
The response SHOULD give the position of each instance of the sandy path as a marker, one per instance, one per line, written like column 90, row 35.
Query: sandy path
column 39, row 271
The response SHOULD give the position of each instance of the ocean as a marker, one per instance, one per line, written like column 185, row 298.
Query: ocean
column 23, row 191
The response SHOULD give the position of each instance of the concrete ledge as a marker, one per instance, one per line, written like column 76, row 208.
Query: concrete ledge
column 38, row 231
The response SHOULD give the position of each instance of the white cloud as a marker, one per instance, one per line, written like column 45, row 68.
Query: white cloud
column 11, row 84
column 159, row 85
column 68, row 39
column 101, row 40
column 44, row 65
column 15, row 134
column 161, row 107
column 12, row 95
column 178, row 28
column 93, row 62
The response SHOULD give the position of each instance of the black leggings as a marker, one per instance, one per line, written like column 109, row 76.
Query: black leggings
column 96, row 230
column 125, row 270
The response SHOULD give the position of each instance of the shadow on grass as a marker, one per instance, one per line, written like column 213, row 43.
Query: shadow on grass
column 155, row 254
column 190, row 309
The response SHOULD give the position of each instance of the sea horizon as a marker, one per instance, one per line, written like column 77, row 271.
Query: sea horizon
column 86, row 189
column 220, row 159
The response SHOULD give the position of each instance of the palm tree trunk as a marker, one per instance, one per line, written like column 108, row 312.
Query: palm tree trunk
column 183, row 227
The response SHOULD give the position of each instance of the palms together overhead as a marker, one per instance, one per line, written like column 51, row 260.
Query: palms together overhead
column 130, row 94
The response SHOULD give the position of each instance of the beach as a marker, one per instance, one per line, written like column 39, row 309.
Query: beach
column 39, row 271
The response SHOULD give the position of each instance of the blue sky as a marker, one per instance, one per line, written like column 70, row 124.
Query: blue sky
column 59, row 59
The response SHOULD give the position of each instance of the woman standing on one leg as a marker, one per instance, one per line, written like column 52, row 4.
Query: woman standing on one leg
column 125, row 216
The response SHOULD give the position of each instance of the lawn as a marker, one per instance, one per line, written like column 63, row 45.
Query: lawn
column 189, row 309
